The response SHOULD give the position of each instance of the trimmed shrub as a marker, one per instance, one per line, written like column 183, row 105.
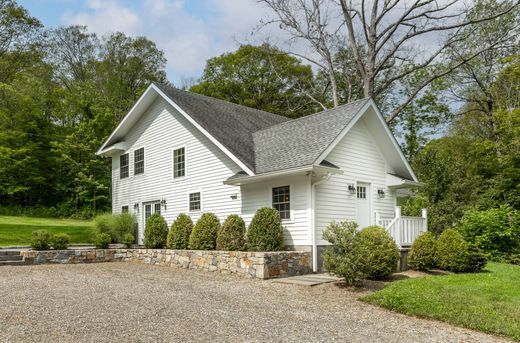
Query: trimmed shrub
column 102, row 241
column 179, row 235
column 156, row 232
column 340, row 258
column 128, row 240
column 378, row 250
column 423, row 252
column 204, row 234
column 231, row 234
column 123, row 224
column 456, row 255
column 40, row 240
column 60, row 241
column 265, row 231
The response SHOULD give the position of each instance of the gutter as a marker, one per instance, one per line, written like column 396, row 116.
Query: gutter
column 313, row 219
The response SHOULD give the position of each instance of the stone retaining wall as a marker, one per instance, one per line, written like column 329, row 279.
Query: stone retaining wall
column 261, row 265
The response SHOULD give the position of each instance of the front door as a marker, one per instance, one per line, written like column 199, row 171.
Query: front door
column 363, row 204
column 149, row 209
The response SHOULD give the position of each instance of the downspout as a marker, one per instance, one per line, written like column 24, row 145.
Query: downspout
column 313, row 219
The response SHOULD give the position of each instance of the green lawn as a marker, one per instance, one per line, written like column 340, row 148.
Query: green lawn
column 17, row 230
column 488, row 301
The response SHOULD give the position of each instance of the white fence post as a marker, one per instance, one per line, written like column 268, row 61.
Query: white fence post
column 378, row 218
column 398, row 225
column 425, row 216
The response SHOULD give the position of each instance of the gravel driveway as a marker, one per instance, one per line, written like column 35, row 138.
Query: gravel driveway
column 140, row 303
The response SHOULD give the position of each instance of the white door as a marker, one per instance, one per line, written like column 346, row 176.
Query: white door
column 363, row 204
column 149, row 209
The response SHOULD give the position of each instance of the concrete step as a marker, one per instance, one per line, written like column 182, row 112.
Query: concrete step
column 13, row 263
column 11, row 257
column 9, row 252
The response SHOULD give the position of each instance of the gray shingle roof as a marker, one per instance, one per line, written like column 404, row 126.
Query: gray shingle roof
column 263, row 141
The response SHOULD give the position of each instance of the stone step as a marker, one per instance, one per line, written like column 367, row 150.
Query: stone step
column 9, row 252
column 11, row 257
column 13, row 263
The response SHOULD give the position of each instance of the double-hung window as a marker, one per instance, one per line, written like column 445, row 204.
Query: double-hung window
column 282, row 201
column 123, row 166
column 124, row 209
column 179, row 163
column 194, row 202
column 139, row 161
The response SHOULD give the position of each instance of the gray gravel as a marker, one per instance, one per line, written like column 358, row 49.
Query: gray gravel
column 142, row 303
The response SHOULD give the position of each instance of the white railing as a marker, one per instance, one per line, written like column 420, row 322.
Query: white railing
column 404, row 229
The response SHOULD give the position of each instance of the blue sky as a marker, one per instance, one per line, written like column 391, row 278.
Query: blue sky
column 188, row 31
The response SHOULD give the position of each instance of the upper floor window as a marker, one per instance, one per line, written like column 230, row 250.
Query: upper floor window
column 179, row 163
column 282, row 201
column 123, row 166
column 194, row 199
column 139, row 161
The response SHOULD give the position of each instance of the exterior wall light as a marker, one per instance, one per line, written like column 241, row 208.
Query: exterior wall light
column 163, row 203
column 381, row 192
column 234, row 196
column 136, row 207
column 351, row 188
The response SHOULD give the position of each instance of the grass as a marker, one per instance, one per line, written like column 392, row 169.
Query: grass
column 488, row 301
column 16, row 231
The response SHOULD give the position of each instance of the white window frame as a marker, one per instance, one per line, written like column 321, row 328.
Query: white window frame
column 291, row 220
column 128, row 166
column 133, row 161
column 188, row 199
column 185, row 163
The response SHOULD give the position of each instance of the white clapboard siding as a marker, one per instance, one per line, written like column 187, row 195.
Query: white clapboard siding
column 360, row 159
column 160, row 130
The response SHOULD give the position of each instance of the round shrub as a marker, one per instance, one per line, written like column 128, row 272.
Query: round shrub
column 376, row 247
column 456, row 255
column 41, row 240
column 102, row 241
column 156, row 232
column 423, row 252
column 204, row 234
column 128, row 240
column 179, row 235
column 60, row 241
column 265, row 231
column 231, row 234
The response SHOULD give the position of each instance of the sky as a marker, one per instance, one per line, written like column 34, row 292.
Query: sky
column 188, row 31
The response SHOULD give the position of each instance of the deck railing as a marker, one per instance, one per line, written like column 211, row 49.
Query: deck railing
column 404, row 229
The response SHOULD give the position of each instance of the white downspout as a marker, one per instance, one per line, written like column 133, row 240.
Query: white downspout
column 313, row 220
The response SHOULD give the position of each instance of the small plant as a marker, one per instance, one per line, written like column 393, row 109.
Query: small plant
column 102, row 241
column 104, row 223
column 204, row 234
column 123, row 223
column 156, row 232
column 128, row 240
column 231, row 234
column 179, row 235
column 41, row 240
column 423, row 252
column 265, row 233
column 60, row 241
column 377, row 249
column 456, row 255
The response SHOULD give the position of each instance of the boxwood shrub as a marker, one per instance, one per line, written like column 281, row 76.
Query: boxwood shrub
column 60, row 241
column 179, row 235
column 378, row 250
column 456, row 255
column 156, row 232
column 41, row 240
column 265, row 232
column 204, row 234
column 128, row 240
column 102, row 241
column 423, row 253
column 231, row 234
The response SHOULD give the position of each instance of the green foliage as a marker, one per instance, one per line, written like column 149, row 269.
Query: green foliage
column 60, row 241
column 496, row 231
column 128, row 240
column 41, row 240
column 156, row 232
column 204, row 234
column 378, row 250
column 179, row 235
column 456, row 255
column 105, row 223
column 124, row 223
column 265, row 232
column 102, row 241
column 231, row 234
column 423, row 253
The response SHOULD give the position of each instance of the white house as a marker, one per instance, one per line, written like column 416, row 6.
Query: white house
column 180, row 152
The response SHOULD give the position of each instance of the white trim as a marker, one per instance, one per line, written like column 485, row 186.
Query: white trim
column 291, row 219
column 188, row 199
column 206, row 133
column 180, row 178
column 119, row 169
column 144, row 161
column 368, row 193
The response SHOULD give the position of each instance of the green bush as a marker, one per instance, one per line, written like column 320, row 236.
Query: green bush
column 179, row 235
column 102, row 241
column 495, row 231
column 123, row 224
column 204, row 234
column 340, row 258
column 456, row 255
column 231, row 234
column 60, row 241
column 265, row 232
column 104, row 223
column 40, row 240
column 156, row 232
column 128, row 240
column 423, row 252
column 378, row 250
